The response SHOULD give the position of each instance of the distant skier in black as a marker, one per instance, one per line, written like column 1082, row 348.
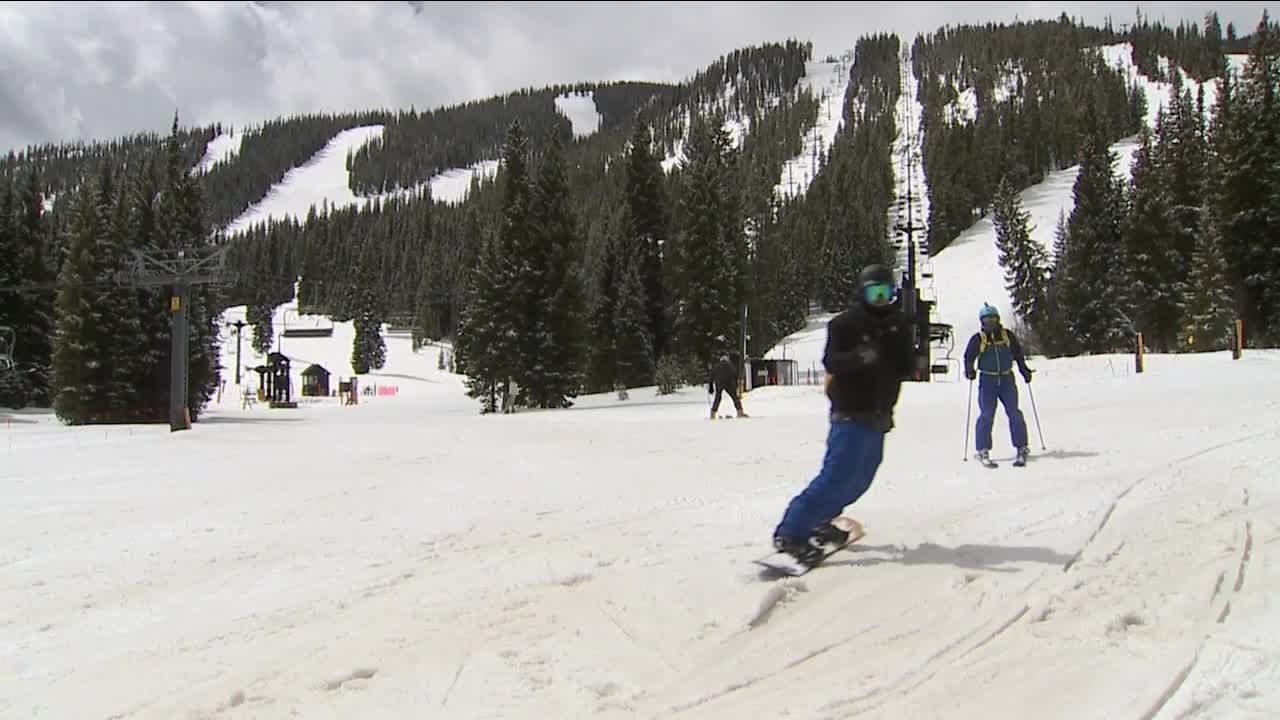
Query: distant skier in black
column 995, row 351
column 867, row 357
column 724, row 379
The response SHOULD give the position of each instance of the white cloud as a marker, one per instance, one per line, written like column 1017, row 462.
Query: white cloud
column 70, row 70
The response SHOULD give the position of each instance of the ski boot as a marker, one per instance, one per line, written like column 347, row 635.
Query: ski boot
column 984, row 457
column 806, row 552
column 1021, row 459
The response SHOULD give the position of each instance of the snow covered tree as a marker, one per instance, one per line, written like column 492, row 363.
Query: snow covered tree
column 1210, row 316
column 1024, row 260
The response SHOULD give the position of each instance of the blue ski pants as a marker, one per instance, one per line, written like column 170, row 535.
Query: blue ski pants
column 1002, row 389
column 854, row 452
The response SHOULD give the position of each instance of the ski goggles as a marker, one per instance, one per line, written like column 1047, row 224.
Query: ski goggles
column 877, row 293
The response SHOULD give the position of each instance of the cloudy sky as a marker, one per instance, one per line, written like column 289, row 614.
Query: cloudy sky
column 96, row 70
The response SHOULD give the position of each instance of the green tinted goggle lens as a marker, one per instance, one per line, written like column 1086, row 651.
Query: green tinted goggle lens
column 877, row 293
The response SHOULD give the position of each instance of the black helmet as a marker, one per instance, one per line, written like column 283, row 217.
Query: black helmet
column 876, row 286
column 874, row 274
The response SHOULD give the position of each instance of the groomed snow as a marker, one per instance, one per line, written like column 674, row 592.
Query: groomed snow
column 220, row 149
column 408, row 556
column 322, row 179
column 828, row 82
column 580, row 109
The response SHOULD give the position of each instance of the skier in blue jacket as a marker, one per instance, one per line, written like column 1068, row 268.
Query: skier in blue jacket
column 995, row 350
column 867, row 358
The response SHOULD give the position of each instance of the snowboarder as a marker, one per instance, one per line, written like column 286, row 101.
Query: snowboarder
column 995, row 350
column 867, row 357
column 724, row 379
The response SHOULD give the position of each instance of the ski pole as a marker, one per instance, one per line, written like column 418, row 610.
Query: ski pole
column 968, row 413
column 1032, row 393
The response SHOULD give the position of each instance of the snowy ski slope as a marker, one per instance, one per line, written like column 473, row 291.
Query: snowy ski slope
column 407, row 557
column 828, row 82
column 968, row 272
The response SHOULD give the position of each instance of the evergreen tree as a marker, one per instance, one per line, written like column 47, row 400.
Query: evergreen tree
column 483, row 346
column 431, row 298
column 633, row 346
column 646, row 225
column 1093, row 296
column 1055, row 334
column 1210, row 317
column 1158, row 270
column 119, row 325
column 557, row 372
column 1181, row 155
column 708, row 247
column 37, row 262
column 602, row 360
column 74, row 362
column 261, row 316
column 368, row 350
column 152, row 354
column 1024, row 260
column 489, row 333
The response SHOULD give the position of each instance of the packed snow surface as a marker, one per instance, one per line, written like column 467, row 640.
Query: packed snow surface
column 407, row 557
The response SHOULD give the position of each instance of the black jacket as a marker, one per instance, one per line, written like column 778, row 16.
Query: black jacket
column 868, row 356
column 724, row 376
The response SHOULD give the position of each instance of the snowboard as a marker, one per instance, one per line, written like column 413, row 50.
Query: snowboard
column 781, row 563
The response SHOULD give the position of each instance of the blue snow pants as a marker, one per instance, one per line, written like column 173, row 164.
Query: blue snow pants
column 1001, row 388
column 854, row 452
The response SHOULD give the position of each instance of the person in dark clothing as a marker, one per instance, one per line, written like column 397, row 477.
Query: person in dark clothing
column 724, row 379
column 867, row 357
column 995, row 351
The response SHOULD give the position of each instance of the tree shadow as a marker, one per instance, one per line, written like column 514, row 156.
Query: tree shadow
column 624, row 404
column 967, row 557
column 403, row 376
column 247, row 419
column 1064, row 454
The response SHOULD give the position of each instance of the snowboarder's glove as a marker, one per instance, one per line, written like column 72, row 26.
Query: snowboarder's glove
column 970, row 374
column 1026, row 374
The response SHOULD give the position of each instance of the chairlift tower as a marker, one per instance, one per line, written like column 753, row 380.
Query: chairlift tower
column 179, row 269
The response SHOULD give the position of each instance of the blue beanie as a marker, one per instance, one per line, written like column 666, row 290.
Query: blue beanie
column 987, row 311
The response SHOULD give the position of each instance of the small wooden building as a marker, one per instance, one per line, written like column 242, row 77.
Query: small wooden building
column 315, row 381
column 772, row 372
